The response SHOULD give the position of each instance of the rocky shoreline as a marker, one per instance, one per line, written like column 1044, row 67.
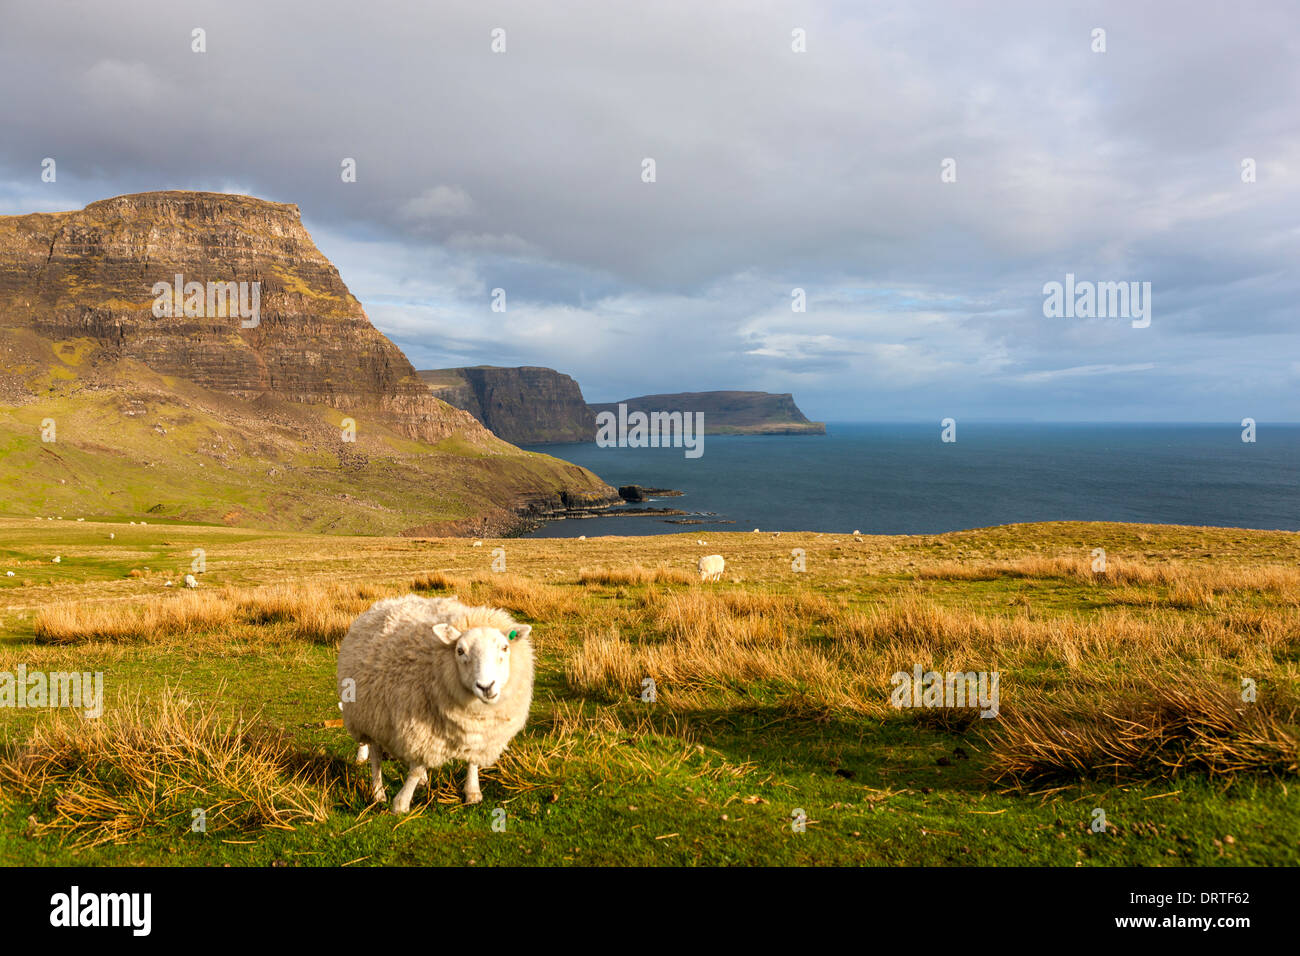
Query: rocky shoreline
column 566, row 507
column 531, row 511
column 639, row 493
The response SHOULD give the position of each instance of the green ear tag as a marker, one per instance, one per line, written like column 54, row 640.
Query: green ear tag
column 513, row 635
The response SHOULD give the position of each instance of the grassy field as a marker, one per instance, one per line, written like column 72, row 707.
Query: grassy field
column 1120, row 691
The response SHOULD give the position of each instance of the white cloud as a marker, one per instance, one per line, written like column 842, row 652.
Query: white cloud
column 1048, row 375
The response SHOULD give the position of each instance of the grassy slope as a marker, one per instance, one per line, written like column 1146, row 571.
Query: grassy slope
column 601, row 778
column 174, row 451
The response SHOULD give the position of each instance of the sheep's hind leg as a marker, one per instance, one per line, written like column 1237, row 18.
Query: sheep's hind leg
column 377, row 773
column 472, row 793
column 414, row 777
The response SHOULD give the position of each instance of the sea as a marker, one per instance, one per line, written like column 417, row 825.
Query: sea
column 903, row 479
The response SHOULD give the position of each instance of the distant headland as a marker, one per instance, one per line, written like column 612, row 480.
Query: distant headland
column 531, row 405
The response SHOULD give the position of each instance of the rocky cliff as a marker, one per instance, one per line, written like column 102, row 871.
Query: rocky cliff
column 527, row 405
column 91, row 273
column 269, row 390
column 729, row 413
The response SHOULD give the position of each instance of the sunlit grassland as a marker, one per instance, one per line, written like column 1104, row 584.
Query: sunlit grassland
column 1120, row 691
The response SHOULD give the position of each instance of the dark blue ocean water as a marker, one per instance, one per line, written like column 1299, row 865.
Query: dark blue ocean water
column 902, row 479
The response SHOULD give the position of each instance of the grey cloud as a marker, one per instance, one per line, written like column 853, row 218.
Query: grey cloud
column 819, row 170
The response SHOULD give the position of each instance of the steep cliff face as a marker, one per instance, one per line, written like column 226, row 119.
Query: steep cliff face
column 527, row 405
column 729, row 413
column 293, row 411
column 92, row 273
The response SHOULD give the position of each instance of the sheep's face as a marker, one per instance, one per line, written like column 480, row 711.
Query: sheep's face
column 482, row 658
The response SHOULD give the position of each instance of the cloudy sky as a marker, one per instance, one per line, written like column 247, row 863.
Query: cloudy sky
column 774, row 170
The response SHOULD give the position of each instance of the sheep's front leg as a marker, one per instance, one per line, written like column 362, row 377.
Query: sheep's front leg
column 472, row 792
column 377, row 773
column 414, row 777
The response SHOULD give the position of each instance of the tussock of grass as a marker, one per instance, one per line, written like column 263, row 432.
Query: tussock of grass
column 437, row 581
column 529, row 598
column 145, row 765
column 1176, row 728
column 634, row 575
column 704, row 619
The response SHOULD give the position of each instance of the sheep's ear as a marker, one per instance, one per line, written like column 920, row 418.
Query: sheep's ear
column 446, row 633
column 521, row 630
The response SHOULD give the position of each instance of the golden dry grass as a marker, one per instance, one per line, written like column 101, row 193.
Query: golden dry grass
column 1169, row 728
column 1187, row 584
column 438, row 581
column 635, row 574
column 107, row 780
column 527, row 597
column 832, row 657
column 320, row 613
column 703, row 641
column 688, row 673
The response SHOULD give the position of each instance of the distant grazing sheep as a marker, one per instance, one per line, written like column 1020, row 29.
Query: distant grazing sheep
column 431, row 680
column 711, row 567
column 582, row 537
column 57, row 559
column 478, row 544
column 190, row 581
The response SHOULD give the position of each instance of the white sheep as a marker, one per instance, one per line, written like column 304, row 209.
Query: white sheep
column 478, row 544
column 711, row 567
column 582, row 537
column 191, row 581
column 431, row 680
column 57, row 559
